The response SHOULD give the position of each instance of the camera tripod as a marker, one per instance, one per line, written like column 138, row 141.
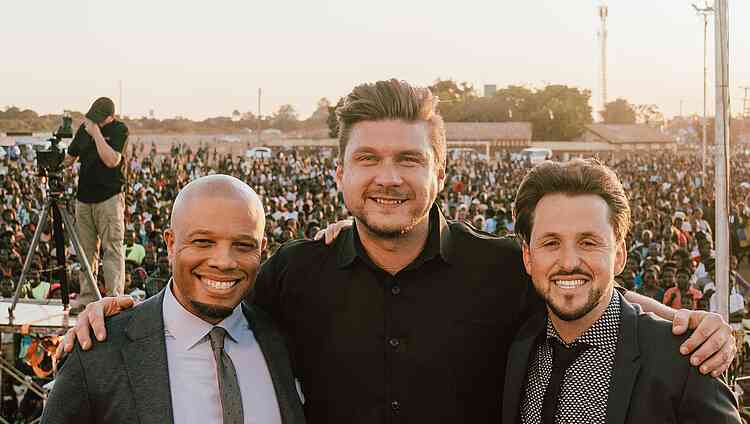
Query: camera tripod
column 60, row 216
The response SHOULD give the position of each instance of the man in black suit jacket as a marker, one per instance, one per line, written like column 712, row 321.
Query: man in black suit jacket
column 590, row 357
column 150, row 369
column 651, row 382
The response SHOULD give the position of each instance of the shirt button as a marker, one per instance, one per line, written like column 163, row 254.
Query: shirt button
column 395, row 290
column 394, row 342
column 395, row 406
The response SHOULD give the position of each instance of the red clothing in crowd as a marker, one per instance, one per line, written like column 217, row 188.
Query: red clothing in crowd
column 673, row 298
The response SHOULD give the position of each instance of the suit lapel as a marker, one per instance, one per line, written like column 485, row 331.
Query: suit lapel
column 518, row 362
column 275, row 352
column 626, row 367
column 143, row 358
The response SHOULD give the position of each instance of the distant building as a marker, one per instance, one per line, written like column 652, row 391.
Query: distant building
column 236, row 116
column 489, row 137
column 490, row 90
column 627, row 137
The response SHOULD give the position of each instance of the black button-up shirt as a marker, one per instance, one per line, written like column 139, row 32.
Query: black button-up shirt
column 427, row 345
column 96, row 181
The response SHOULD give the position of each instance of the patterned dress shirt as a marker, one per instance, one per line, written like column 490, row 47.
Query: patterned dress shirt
column 585, row 386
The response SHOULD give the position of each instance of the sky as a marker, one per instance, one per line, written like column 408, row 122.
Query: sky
column 199, row 59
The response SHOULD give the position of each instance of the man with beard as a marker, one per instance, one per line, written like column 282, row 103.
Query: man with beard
column 406, row 317
column 191, row 353
column 590, row 357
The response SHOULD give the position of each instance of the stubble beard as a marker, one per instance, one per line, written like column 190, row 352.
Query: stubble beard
column 595, row 296
column 210, row 311
column 387, row 233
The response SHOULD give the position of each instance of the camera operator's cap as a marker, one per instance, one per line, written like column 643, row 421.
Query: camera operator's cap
column 101, row 109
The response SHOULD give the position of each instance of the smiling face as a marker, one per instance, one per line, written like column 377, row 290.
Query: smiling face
column 215, row 245
column 389, row 176
column 573, row 255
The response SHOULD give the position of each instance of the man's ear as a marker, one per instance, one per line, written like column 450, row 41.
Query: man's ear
column 169, row 241
column 526, row 256
column 441, row 177
column 339, row 176
column 621, row 257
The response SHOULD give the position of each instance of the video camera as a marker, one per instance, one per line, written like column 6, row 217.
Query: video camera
column 50, row 160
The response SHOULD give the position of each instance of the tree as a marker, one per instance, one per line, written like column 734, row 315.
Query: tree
column 451, row 91
column 333, row 123
column 453, row 97
column 285, row 118
column 618, row 112
column 560, row 112
column 320, row 115
column 648, row 114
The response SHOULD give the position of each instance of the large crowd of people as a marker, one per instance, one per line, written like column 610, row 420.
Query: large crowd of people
column 673, row 211
column 670, row 247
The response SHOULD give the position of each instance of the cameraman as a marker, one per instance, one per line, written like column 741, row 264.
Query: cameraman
column 100, row 143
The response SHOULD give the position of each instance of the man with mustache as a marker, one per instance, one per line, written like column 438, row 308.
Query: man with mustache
column 191, row 353
column 591, row 357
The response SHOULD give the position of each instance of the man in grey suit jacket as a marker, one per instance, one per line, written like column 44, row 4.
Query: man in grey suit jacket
column 590, row 357
column 172, row 358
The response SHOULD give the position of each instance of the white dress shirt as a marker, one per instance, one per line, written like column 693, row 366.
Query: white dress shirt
column 192, row 369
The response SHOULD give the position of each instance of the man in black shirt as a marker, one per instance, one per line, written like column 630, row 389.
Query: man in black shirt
column 407, row 317
column 100, row 210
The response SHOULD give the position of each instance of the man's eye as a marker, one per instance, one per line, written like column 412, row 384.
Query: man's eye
column 202, row 242
column 411, row 161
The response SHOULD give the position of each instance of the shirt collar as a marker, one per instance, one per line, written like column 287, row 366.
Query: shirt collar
column 438, row 242
column 188, row 330
column 602, row 333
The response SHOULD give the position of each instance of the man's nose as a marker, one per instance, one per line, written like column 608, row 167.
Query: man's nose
column 569, row 257
column 388, row 175
column 222, row 257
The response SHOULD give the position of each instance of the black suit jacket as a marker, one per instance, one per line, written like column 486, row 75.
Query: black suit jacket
column 126, row 380
column 651, row 382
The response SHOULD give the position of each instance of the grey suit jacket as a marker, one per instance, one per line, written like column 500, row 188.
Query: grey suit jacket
column 651, row 382
column 126, row 380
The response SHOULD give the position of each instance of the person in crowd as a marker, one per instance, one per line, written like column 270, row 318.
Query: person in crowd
column 134, row 251
column 681, row 294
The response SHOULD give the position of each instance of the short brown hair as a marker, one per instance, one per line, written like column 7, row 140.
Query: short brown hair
column 392, row 100
column 579, row 176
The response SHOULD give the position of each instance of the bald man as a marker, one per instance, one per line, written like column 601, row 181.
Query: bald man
column 191, row 353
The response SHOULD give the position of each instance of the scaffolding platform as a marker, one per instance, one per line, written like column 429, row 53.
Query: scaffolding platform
column 45, row 317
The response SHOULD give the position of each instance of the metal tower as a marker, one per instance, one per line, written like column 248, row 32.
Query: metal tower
column 746, row 103
column 603, row 13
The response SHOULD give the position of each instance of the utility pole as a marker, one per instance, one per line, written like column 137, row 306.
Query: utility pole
column 120, row 107
column 258, row 120
column 603, row 14
column 746, row 103
column 723, row 118
column 705, row 11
